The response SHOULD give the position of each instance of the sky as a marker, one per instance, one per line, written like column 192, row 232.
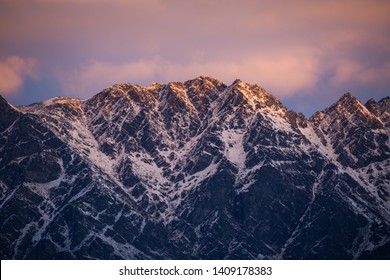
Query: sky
column 307, row 53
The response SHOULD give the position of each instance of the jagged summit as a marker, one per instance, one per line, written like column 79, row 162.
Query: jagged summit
column 383, row 105
column 347, row 104
column 347, row 96
column 205, row 79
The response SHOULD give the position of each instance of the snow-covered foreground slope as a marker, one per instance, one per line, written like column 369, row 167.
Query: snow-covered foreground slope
column 193, row 170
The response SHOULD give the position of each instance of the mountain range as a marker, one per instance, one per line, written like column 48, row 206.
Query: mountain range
column 194, row 170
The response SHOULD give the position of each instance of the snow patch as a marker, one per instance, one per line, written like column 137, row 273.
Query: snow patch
column 234, row 148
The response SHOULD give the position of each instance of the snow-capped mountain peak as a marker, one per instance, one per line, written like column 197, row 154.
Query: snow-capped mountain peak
column 198, row 170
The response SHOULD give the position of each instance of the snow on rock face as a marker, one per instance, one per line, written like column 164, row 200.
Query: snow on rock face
column 193, row 170
column 234, row 147
column 356, row 135
column 380, row 109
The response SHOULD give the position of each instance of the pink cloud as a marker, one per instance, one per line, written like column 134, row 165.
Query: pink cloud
column 13, row 71
column 282, row 74
column 94, row 76
column 354, row 72
column 288, row 47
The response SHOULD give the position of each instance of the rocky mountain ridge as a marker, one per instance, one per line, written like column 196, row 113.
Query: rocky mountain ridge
column 196, row 170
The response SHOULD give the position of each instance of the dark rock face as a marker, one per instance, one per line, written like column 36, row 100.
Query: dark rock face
column 194, row 170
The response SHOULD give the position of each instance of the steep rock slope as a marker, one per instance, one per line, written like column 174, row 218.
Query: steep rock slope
column 194, row 170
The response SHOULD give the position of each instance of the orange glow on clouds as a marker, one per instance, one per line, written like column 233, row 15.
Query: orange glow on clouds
column 12, row 73
column 287, row 47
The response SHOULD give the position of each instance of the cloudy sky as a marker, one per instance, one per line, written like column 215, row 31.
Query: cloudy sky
column 307, row 53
